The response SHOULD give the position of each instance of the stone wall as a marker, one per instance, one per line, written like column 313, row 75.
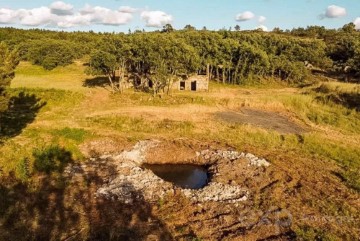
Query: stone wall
column 193, row 83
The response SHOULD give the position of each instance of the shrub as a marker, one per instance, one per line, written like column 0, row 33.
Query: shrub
column 51, row 159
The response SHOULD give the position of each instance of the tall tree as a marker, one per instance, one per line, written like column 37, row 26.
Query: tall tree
column 167, row 28
column 8, row 62
column 104, row 63
column 188, row 27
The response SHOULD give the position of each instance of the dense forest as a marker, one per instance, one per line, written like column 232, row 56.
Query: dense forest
column 235, row 57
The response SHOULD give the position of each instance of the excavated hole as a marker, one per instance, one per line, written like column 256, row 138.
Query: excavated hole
column 181, row 175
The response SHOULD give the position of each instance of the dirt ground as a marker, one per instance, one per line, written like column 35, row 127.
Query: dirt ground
column 280, row 200
column 294, row 195
column 279, row 203
column 282, row 123
column 263, row 119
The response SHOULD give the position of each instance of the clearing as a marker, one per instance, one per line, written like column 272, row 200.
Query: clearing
column 283, row 163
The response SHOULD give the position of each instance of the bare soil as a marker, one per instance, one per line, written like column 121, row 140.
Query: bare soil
column 263, row 119
column 281, row 201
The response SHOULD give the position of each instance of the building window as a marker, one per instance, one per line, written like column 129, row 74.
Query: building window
column 182, row 85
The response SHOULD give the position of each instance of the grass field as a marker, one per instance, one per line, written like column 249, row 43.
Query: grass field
column 66, row 114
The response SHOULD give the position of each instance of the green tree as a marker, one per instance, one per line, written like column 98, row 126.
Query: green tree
column 103, row 63
column 51, row 53
column 8, row 61
column 349, row 28
column 188, row 27
column 167, row 28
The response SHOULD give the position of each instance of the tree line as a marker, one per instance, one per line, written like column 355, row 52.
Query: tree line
column 234, row 57
column 9, row 59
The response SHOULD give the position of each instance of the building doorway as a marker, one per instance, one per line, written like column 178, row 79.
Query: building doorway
column 193, row 85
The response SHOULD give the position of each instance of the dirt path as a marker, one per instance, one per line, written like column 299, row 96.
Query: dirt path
column 263, row 119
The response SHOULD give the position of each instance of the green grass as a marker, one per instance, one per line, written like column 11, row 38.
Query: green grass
column 128, row 125
column 307, row 233
column 54, row 98
column 77, row 135
column 70, row 77
column 51, row 159
column 340, row 87
column 57, row 109
column 309, row 110
column 131, row 98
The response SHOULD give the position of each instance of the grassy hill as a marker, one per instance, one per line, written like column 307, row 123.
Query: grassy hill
column 316, row 166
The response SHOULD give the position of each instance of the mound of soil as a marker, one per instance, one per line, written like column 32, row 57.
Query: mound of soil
column 263, row 119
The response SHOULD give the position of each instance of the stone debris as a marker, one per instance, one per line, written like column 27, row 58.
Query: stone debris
column 139, row 184
column 213, row 156
column 217, row 192
column 129, row 181
column 138, row 153
column 255, row 161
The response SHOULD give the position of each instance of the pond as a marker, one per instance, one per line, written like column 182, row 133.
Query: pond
column 181, row 175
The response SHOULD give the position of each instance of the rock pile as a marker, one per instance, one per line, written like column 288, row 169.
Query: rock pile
column 137, row 184
column 138, row 153
column 217, row 192
column 129, row 181
column 212, row 156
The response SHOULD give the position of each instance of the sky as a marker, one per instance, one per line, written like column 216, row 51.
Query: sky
column 122, row 15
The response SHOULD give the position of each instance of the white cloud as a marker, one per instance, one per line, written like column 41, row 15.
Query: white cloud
column 357, row 23
column 63, row 15
column 156, row 18
column 245, row 16
column 87, row 9
column 116, row 18
column 74, row 20
column 8, row 15
column 333, row 11
column 37, row 16
column 101, row 15
column 262, row 19
column 262, row 27
column 127, row 9
column 61, row 8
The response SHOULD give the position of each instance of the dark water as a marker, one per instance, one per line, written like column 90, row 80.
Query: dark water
column 185, row 176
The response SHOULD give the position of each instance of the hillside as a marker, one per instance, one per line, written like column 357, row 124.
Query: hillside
column 63, row 141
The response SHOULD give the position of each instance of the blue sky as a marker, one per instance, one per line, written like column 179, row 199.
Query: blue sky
column 121, row 15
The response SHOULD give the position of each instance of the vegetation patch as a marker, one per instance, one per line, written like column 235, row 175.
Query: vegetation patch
column 51, row 159
column 77, row 135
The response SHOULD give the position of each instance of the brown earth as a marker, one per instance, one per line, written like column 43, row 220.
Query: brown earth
column 285, row 197
column 281, row 200
column 263, row 119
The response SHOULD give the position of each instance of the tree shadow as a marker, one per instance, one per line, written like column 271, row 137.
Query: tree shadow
column 351, row 100
column 59, row 203
column 348, row 100
column 96, row 82
column 35, row 210
column 22, row 110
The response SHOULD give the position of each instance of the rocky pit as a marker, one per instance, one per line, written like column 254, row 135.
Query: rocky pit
column 130, row 181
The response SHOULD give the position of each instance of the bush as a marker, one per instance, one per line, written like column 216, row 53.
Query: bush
column 50, row 54
column 51, row 159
